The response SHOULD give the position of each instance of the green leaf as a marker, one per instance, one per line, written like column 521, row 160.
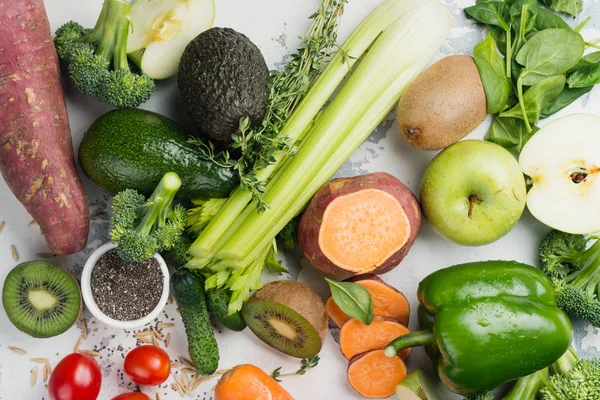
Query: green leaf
column 572, row 7
column 537, row 97
column 509, row 133
column 490, row 12
column 586, row 76
column 546, row 19
column 352, row 299
column 565, row 98
column 273, row 265
column 491, row 67
column 549, row 52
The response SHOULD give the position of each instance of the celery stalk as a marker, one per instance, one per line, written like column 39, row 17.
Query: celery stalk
column 407, row 45
column 338, row 67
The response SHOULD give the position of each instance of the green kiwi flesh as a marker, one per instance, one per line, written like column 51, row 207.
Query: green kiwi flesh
column 41, row 299
column 282, row 328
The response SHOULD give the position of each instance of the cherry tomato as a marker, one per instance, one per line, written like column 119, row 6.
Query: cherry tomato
column 76, row 377
column 148, row 365
column 132, row 396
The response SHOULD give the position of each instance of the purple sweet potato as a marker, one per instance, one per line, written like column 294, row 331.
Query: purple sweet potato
column 36, row 153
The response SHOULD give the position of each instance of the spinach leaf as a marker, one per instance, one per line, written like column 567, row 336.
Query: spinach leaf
column 572, row 7
column 546, row 19
column 353, row 299
column 565, row 98
column 490, row 12
column 585, row 77
column 491, row 67
column 509, row 133
column 536, row 98
column 549, row 52
column 587, row 61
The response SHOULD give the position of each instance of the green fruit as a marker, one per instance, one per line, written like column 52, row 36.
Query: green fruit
column 223, row 78
column 288, row 316
column 217, row 301
column 473, row 193
column 419, row 386
column 133, row 149
column 41, row 299
column 188, row 290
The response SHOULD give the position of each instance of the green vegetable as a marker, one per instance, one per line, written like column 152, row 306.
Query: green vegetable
column 494, row 322
column 482, row 396
column 527, row 387
column 134, row 148
column 306, row 364
column 217, row 301
column 288, row 237
column 96, row 59
column 575, row 272
column 140, row 228
column 490, row 64
column 188, row 290
column 565, row 98
column 353, row 299
column 585, row 77
column 572, row 7
column 202, row 213
column 535, row 99
column 176, row 257
column 573, row 379
column 510, row 133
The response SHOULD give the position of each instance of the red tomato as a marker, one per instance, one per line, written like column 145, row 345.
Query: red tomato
column 76, row 377
column 148, row 365
column 132, row 396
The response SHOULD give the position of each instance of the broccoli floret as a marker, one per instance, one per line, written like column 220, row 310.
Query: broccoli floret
column 142, row 228
column 288, row 237
column 481, row 396
column 177, row 257
column 96, row 59
column 573, row 379
column 575, row 273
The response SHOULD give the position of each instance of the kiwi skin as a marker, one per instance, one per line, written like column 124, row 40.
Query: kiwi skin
column 443, row 105
column 41, row 275
column 277, row 298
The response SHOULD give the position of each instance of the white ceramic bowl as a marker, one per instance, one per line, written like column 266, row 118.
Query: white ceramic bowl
column 88, row 298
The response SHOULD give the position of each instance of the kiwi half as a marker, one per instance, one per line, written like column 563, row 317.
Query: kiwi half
column 41, row 299
column 288, row 316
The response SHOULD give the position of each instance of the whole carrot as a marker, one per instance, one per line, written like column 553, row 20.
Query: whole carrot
column 248, row 382
column 36, row 153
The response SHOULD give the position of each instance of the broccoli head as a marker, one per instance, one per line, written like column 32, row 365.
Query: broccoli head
column 481, row 396
column 142, row 228
column 96, row 59
column 575, row 272
column 573, row 379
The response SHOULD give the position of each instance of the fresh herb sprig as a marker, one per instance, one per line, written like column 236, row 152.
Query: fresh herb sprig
column 307, row 363
column 257, row 146
column 531, row 64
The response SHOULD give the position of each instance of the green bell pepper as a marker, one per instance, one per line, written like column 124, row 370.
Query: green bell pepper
column 488, row 323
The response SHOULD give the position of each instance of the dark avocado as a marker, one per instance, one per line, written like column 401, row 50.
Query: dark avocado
column 223, row 78
column 134, row 148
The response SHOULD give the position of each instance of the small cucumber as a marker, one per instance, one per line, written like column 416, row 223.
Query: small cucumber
column 188, row 289
column 217, row 301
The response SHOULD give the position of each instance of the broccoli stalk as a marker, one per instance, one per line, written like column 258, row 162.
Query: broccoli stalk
column 97, row 61
column 527, row 387
column 573, row 378
column 142, row 228
column 575, row 273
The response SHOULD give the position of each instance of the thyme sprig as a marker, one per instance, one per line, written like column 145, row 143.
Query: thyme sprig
column 307, row 363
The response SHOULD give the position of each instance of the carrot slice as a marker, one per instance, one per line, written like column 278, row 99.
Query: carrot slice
column 357, row 338
column 248, row 382
column 374, row 375
column 387, row 302
column 361, row 230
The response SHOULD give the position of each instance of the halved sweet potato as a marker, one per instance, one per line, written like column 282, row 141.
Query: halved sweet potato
column 375, row 375
column 388, row 302
column 357, row 338
column 364, row 224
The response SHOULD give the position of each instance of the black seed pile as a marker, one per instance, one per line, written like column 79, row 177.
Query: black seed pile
column 125, row 290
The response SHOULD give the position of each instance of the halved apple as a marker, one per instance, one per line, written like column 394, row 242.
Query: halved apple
column 563, row 161
column 161, row 31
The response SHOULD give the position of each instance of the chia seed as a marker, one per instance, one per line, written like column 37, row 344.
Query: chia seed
column 125, row 290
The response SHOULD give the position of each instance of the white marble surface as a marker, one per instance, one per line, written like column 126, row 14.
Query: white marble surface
column 274, row 26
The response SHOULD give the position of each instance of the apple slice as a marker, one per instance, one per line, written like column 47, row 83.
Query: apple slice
column 563, row 161
column 161, row 31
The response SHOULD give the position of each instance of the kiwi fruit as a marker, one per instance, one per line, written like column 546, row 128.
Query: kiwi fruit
column 288, row 316
column 41, row 299
column 443, row 105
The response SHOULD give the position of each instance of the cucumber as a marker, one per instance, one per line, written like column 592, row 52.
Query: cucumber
column 188, row 290
column 134, row 148
column 217, row 301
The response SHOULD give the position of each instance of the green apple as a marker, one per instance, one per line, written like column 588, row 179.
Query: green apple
column 473, row 193
column 563, row 161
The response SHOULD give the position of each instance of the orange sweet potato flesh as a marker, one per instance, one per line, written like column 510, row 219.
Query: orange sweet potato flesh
column 36, row 153
column 248, row 382
column 388, row 302
column 358, row 225
column 357, row 338
column 374, row 375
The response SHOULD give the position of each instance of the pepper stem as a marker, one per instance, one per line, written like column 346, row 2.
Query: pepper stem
column 419, row 338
